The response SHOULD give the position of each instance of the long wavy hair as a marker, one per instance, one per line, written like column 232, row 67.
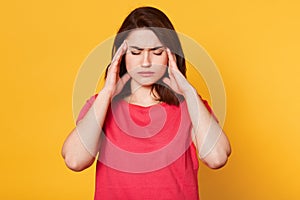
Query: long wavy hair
column 156, row 21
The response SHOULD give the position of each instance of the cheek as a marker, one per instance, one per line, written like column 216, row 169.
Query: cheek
column 162, row 70
column 160, row 60
column 130, row 62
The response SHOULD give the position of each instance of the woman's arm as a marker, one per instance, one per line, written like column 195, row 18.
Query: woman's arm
column 83, row 143
column 81, row 146
column 213, row 145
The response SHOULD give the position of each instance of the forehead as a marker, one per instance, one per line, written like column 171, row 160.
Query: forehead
column 143, row 38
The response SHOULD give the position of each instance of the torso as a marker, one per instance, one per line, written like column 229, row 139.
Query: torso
column 149, row 155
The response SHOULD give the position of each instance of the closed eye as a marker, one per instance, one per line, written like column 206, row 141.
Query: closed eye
column 135, row 52
column 158, row 53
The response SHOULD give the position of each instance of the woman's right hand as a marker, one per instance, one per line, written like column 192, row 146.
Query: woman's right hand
column 83, row 143
column 113, row 83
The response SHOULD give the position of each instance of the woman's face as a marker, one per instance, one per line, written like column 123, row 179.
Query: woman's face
column 146, row 58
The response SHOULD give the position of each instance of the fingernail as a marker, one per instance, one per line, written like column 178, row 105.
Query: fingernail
column 125, row 44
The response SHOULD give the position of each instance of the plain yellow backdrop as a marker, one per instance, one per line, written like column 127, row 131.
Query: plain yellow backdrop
column 255, row 45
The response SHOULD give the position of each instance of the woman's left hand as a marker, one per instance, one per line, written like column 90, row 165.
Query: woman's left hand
column 176, row 80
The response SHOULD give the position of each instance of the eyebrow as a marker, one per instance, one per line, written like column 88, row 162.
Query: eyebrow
column 139, row 48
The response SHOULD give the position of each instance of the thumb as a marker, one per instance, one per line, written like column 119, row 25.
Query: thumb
column 121, row 82
column 167, row 81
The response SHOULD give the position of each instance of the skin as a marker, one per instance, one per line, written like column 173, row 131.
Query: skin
column 142, row 55
column 146, row 62
column 205, row 127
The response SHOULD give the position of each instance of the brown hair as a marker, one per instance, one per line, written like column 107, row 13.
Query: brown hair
column 159, row 23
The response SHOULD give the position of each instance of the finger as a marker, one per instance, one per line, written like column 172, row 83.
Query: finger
column 167, row 81
column 120, row 52
column 173, row 82
column 169, row 57
column 172, row 62
column 174, row 72
column 117, row 58
column 170, row 83
column 171, row 73
column 121, row 82
column 178, row 77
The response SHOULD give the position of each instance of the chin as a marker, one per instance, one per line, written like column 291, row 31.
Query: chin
column 146, row 82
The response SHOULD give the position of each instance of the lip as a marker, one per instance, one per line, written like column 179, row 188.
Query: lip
column 146, row 73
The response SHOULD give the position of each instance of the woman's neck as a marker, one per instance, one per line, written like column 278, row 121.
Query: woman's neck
column 142, row 95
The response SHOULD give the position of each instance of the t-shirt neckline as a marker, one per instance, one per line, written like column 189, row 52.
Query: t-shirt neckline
column 161, row 103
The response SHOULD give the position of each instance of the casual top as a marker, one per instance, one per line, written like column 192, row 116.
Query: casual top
column 147, row 153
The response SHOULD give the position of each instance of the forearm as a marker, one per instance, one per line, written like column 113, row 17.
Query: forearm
column 212, row 143
column 82, row 144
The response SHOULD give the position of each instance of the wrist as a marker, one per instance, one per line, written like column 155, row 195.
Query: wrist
column 107, row 92
column 189, row 91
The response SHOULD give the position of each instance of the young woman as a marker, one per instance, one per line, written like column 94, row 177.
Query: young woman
column 147, row 121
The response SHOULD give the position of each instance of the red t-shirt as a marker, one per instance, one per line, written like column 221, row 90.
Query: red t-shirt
column 146, row 153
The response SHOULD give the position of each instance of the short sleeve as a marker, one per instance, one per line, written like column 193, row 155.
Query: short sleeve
column 209, row 108
column 88, row 104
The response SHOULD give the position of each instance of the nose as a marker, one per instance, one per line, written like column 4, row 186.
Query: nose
column 146, row 60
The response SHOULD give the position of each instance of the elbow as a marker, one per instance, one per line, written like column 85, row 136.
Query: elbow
column 70, row 162
column 77, row 161
column 76, row 165
column 218, row 163
column 217, row 160
column 218, row 157
column 73, row 165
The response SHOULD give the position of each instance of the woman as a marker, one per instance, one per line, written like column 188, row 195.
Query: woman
column 150, row 116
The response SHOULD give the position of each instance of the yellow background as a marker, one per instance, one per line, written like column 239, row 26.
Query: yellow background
column 255, row 45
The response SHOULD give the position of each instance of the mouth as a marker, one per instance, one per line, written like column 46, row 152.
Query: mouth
column 146, row 74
